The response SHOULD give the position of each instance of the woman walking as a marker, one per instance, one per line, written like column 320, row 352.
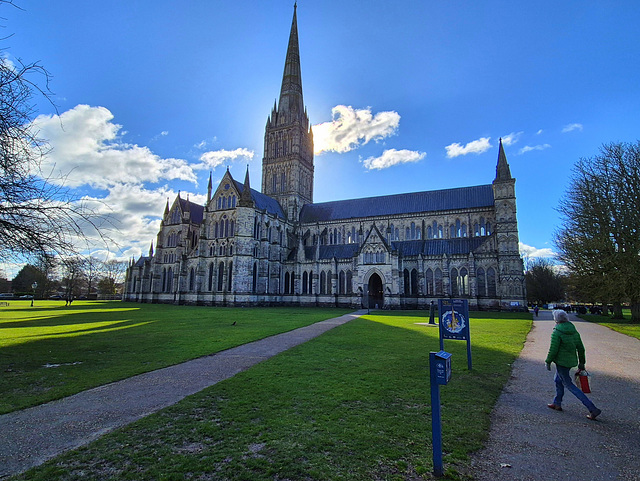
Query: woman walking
column 567, row 351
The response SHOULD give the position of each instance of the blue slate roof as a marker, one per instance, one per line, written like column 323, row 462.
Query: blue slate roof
column 339, row 251
column 262, row 201
column 140, row 262
column 197, row 210
column 438, row 247
column 429, row 201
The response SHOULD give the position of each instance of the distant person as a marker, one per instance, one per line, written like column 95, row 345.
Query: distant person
column 536, row 310
column 567, row 351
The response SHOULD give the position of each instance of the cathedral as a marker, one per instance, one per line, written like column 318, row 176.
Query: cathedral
column 277, row 247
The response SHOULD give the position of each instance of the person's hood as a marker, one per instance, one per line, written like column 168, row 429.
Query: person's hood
column 566, row 328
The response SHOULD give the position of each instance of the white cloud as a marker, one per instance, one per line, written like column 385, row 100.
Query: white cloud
column 571, row 127
column 475, row 147
column 533, row 252
column 529, row 148
column 512, row 138
column 164, row 133
column 539, row 132
column 351, row 128
column 215, row 158
column 393, row 157
column 86, row 150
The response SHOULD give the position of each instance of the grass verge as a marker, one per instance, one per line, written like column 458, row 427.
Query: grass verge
column 352, row 404
column 623, row 326
column 50, row 351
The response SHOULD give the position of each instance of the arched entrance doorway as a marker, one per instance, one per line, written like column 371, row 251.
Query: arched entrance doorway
column 375, row 292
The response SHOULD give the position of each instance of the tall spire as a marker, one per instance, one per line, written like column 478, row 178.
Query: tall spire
column 503, row 172
column 291, row 101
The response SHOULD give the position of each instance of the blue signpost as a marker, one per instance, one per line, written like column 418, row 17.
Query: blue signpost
column 440, row 373
column 454, row 323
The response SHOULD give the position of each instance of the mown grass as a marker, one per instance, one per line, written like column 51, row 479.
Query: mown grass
column 50, row 351
column 623, row 326
column 352, row 404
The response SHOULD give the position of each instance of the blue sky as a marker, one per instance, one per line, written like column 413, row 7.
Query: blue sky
column 403, row 96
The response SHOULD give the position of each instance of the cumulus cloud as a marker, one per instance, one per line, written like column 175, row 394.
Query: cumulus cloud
column 512, row 138
column 539, row 132
column 571, row 128
column 475, row 147
column 532, row 252
column 215, row 158
column 393, row 157
column 86, row 150
column 351, row 128
column 529, row 148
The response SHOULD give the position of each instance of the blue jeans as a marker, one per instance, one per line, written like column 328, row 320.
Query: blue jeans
column 563, row 379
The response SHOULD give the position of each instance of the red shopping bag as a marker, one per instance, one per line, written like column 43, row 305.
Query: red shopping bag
column 582, row 380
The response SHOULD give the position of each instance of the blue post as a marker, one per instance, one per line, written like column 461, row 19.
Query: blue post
column 436, row 420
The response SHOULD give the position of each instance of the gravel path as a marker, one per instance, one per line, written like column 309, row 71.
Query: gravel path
column 32, row 436
column 529, row 441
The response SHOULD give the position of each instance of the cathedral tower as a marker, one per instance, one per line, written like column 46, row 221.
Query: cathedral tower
column 287, row 165
column 510, row 266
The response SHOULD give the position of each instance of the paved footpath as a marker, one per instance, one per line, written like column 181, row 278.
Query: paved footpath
column 529, row 441
column 32, row 436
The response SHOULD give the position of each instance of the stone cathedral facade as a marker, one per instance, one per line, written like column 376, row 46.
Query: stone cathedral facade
column 277, row 247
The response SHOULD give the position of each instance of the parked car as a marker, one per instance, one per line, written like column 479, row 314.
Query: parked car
column 26, row 296
column 55, row 296
column 6, row 295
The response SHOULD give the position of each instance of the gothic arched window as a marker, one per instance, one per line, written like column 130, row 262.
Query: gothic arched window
column 341, row 282
column 323, row 283
column 439, row 285
column 211, row 270
column 407, row 282
column 220, row 276
column 192, row 279
column 414, row 282
column 491, row 282
column 305, row 280
column 329, row 282
column 429, row 282
column 349, row 282
column 453, row 278
column 255, row 277
column 169, row 279
column 481, row 282
column 464, row 282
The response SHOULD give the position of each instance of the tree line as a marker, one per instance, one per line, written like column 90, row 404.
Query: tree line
column 71, row 277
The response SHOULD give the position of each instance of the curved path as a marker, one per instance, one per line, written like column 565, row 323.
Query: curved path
column 32, row 436
column 529, row 441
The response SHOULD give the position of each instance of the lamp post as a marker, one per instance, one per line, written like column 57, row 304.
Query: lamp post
column 33, row 286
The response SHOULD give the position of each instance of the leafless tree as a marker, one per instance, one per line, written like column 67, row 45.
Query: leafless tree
column 38, row 215
column 113, row 275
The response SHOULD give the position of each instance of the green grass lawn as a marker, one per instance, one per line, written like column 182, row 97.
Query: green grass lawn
column 623, row 326
column 50, row 351
column 352, row 404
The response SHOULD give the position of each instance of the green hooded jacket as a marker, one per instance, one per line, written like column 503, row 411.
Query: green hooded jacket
column 566, row 347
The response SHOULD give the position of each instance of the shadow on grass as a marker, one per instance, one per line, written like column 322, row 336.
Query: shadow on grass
column 350, row 404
